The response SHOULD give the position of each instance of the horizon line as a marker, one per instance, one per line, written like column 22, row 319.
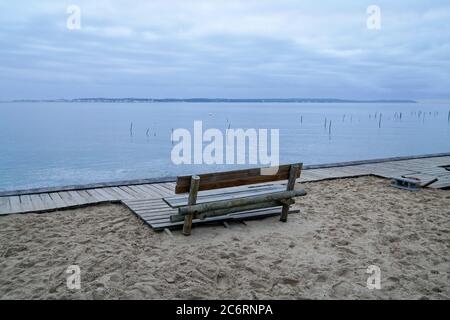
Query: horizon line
column 199, row 99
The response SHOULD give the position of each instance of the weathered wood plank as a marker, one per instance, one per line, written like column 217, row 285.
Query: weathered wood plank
column 131, row 192
column 86, row 196
column 261, row 213
column 67, row 198
column 227, row 179
column 150, row 191
column 143, row 192
column 225, row 211
column 16, row 205
column 114, row 194
column 93, row 195
column 164, row 192
column 169, row 186
column 37, row 202
column 49, row 203
column 179, row 201
column 77, row 198
column 4, row 205
column 107, row 196
column 25, row 200
column 59, row 202
column 123, row 194
column 156, row 191
column 225, row 204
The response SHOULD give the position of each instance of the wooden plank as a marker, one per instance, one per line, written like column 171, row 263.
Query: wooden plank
column 67, row 198
column 15, row 204
column 49, row 203
column 105, row 195
column 157, row 225
column 86, row 196
column 112, row 193
column 77, row 198
column 159, row 213
column 143, row 191
column 123, row 194
column 92, row 195
column 146, row 209
column 97, row 195
column 226, row 211
column 27, row 205
column 169, row 185
column 150, row 191
column 220, row 180
column 148, row 202
column 37, row 202
column 225, row 204
column 59, row 202
column 156, row 191
column 179, row 201
column 4, row 205
column 153, row 217
column 131, row 192
column 164, row 192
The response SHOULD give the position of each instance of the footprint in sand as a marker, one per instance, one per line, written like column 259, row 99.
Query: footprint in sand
column 223, row 280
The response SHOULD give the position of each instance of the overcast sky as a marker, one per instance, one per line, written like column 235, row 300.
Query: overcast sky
column 234, row 49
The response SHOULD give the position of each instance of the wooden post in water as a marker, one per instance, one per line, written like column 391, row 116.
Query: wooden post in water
column 329, row 130
column 193, row 191
column 293, row 173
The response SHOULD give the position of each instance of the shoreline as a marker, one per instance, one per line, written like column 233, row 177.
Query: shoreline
column 172, row 179
column 209, row 100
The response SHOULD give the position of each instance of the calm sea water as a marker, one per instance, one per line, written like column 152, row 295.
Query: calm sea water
column 53, row 144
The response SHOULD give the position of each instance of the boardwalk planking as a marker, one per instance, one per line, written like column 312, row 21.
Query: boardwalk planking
column 143, row 195
column 157, row 214
column 4, row 205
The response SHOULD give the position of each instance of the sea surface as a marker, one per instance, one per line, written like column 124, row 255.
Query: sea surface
column 54, row 144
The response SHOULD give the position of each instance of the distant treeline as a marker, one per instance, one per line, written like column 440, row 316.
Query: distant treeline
column 210, row 100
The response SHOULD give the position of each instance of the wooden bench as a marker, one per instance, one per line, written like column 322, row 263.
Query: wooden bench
column 227, row 201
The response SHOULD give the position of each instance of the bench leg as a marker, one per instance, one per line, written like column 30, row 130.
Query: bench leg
column 284, row 213
column 193, row 190
column 293, row 173
column 187, row 225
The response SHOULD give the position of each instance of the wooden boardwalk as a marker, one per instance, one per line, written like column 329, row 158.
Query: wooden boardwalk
column 139, row 195
column 156, row 213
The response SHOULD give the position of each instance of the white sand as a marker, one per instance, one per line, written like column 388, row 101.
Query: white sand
column 345, row 226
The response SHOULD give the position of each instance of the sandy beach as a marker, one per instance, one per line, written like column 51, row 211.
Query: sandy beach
column 344, row 226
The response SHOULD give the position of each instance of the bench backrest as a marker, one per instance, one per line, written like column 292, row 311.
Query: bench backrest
column 234, row 178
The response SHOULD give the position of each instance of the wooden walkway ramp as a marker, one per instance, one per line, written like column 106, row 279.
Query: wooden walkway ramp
column 47, row 201
column 156, row 213
column 145, row 198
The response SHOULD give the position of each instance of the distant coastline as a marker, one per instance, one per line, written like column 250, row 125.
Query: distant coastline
column 211, row 100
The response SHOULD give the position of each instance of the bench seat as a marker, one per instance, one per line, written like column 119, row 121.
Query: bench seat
column 224, row 194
